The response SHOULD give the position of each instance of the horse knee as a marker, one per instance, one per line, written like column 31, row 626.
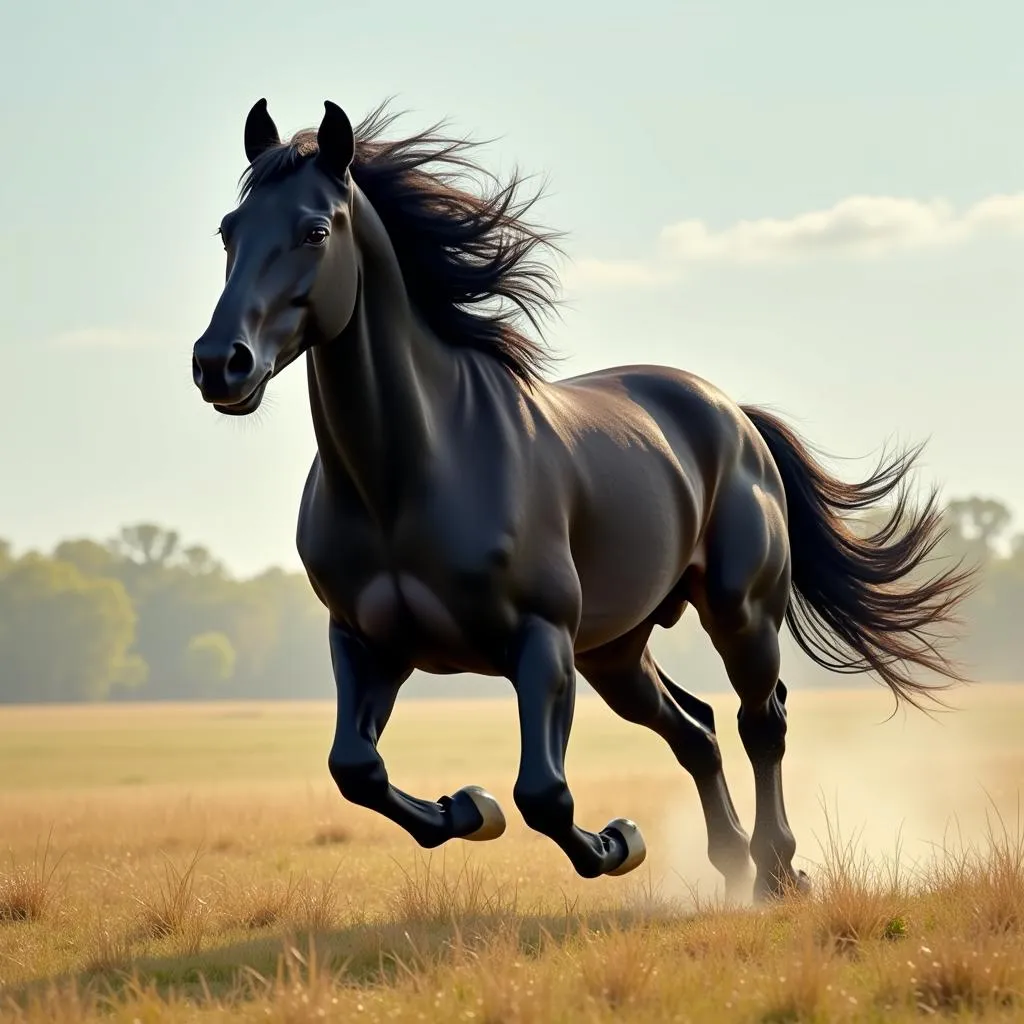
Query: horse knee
column 548, row 809
column 360, row 782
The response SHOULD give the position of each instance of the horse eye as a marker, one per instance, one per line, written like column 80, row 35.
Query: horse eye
column 316, row 236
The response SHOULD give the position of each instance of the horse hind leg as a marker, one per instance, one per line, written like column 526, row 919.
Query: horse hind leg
column 742, row 602
column 746, row 636
column 630, row 681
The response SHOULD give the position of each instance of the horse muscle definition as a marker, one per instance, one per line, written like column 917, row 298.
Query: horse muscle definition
column 464, row 513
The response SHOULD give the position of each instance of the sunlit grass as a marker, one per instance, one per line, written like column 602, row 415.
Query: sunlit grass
column 243, row 896
column 28, row 891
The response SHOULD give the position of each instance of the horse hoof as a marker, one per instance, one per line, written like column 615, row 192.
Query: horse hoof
column 636, row 848
column 774, row 889
column 802, row 883
column 489, row 809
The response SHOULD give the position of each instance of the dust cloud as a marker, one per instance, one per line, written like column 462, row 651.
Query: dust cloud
column 897, row 789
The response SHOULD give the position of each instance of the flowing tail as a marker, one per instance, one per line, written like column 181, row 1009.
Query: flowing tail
column 855, row 604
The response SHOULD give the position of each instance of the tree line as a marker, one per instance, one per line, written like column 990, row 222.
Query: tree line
column 144, row 616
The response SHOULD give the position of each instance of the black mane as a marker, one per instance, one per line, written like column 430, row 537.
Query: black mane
column 468, row 257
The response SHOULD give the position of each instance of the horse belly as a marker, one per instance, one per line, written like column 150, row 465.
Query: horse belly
column 639, row 539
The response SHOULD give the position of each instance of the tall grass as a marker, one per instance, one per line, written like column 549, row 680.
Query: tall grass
column 28, row 892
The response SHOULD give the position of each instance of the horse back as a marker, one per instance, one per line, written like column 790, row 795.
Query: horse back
column 649, row 450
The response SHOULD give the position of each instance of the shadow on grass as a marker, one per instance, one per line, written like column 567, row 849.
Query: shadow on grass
column 367, row 953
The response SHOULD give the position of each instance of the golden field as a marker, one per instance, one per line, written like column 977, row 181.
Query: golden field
column 194, row 862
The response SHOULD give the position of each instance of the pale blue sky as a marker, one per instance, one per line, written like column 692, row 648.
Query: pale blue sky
column 120, row 142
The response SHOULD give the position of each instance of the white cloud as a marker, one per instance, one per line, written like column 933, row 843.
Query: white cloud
column 1003, row 214
column 857, row 227
column 628, row 273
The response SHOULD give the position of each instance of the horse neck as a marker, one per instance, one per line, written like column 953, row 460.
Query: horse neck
column 377, row 391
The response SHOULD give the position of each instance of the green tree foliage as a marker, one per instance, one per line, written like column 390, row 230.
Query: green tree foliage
column 146, row 617
column 147, row 544
column 979, row 533
column 64, row 636
column 87, row 556
column 209, row 663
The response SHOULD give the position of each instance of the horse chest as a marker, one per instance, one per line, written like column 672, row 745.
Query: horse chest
column 390, row 603
column 441, row 631
column 444, row 595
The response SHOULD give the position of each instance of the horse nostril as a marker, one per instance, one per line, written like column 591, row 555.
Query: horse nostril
column 197, row 372
column 240, row 363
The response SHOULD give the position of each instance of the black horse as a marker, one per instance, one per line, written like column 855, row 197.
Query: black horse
column 464, row 514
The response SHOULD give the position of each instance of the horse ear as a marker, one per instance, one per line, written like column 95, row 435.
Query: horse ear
column 336, row 140
column 260, row 131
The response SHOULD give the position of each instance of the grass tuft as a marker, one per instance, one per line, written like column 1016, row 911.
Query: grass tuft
column 175, row 910
column 28, row 892
column 856, row 901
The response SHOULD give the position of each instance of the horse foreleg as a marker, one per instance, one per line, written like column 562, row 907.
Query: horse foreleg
column 545, row 683
column 367, row 690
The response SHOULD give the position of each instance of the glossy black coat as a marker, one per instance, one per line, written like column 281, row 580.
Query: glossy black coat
column 464, row 514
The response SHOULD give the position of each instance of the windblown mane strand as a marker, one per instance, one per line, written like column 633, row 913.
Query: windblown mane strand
column 469, row 257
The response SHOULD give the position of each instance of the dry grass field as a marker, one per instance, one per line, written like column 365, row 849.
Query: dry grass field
column 194, row 863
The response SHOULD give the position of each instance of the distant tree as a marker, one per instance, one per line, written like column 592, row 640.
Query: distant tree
column 199, row 562
column 298, row 664
column 981, row 520
column 208, row 663
column 87, row 556
column 147, row 544
column 66, row 637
